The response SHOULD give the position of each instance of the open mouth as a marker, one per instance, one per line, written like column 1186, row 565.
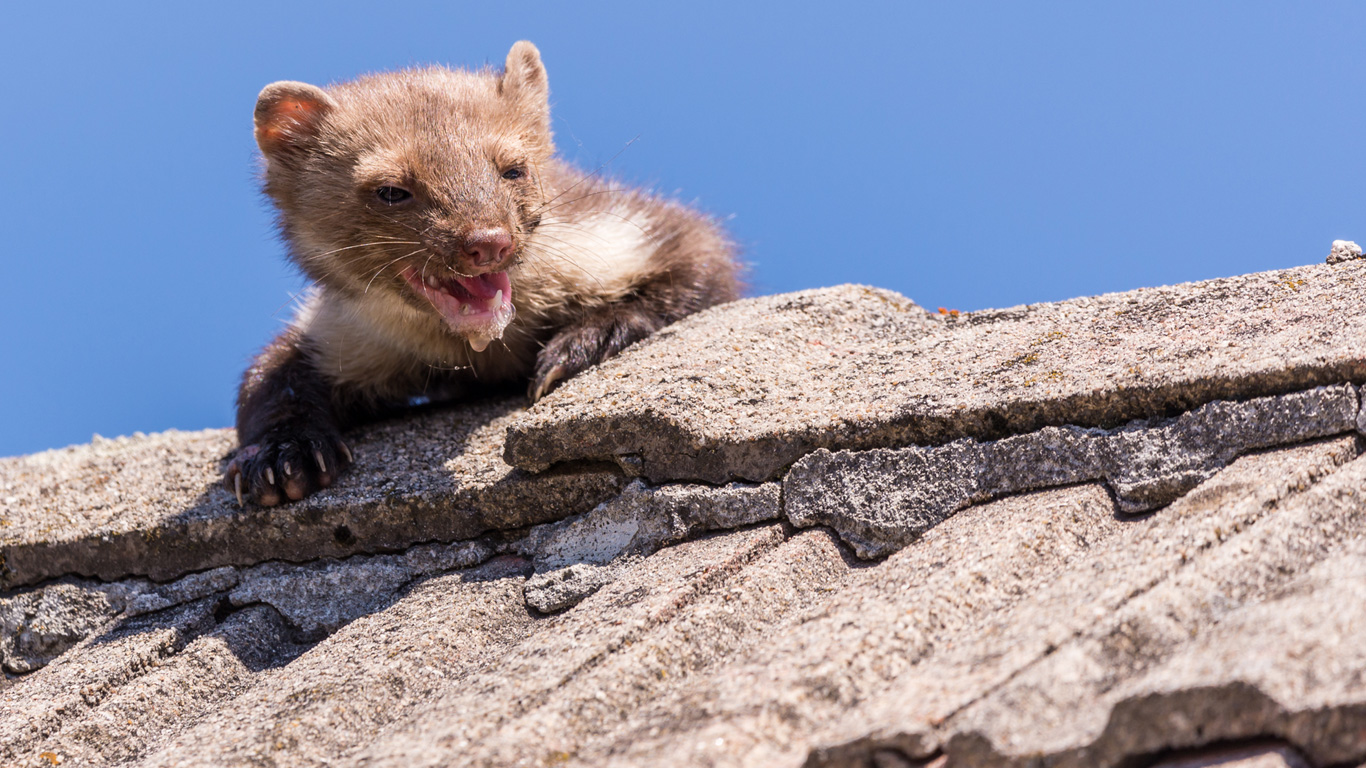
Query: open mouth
column 478, row 308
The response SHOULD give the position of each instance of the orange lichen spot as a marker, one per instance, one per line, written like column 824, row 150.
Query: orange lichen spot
column 51, row 757
column 1021, row 360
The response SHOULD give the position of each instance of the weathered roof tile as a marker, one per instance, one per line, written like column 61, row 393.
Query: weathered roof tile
column 154, row 505
column 742, row 391
column 1033, row 604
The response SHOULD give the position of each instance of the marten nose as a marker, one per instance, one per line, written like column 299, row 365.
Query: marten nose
column 484, row 247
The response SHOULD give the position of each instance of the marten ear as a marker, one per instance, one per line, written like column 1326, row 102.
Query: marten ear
column 288, row 115
column 524, row 82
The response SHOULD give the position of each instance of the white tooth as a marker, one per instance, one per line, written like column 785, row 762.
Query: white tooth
column 497, row 300
column 431, row 282
column 465, row 309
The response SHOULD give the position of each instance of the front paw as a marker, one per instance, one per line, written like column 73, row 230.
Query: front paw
column 587, row 343
column 286, row 466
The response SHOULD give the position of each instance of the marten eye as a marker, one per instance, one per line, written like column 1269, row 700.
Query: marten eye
column 392, row 195
column 512, row 174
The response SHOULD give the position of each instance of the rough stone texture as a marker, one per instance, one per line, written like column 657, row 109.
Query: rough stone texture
column 652, row 625
column 372, row 672
column 764, row 647
column 176, row 692
column 153, row 505
column 566, row 587
column 575, row 557
column 238, row 708
column 580, row 674
column 1257, row 756
column 315, row 598
column 742, row 391
column 196, row 585
column 67, row 693
column 1278, row 650
column 844, row 631
column 462, row 646
column 320, row 597
column 1343, row 250
column 881, row 500
column 1239, row 540
column 39, row 625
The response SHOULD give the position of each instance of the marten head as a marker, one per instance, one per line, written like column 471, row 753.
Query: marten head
column 421, row 185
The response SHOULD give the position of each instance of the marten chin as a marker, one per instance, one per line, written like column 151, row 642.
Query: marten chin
column 449, row 250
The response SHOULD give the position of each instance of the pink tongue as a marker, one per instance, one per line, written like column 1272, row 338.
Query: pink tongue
column 487, row 286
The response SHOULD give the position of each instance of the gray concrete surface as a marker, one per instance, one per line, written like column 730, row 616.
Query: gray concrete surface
column 153, row 505
column 881, row 500
column 742, row 391
column 1253, row 756
column 577, row 556
column 972, row 562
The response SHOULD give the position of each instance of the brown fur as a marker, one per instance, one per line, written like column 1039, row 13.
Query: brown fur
column 593, row 267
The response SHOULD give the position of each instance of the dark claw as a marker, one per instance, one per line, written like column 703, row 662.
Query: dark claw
column 547, row 382
column 284, row 467
column 595, row 339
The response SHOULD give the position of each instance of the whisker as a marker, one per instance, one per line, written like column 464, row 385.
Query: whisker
column 392, row 219
column 362, row 257
column 594, row 173
column 293, row 297
column 363, row 245
column 430, row 256
column 538, row 264
column 557, row 252
column 560, row 249
column 386, row 266
column 547, row 207
column 571, row 224
column 554, row 250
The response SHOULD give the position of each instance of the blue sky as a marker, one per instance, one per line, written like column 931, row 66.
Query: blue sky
column 968, row 155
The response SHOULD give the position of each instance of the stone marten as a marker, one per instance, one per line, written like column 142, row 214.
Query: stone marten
column 449, row 250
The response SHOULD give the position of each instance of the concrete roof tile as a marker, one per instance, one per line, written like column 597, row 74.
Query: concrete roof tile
column 1051, row 582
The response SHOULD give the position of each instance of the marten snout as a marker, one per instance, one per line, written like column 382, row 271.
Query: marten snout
column 476, row 251
column 484, row 248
